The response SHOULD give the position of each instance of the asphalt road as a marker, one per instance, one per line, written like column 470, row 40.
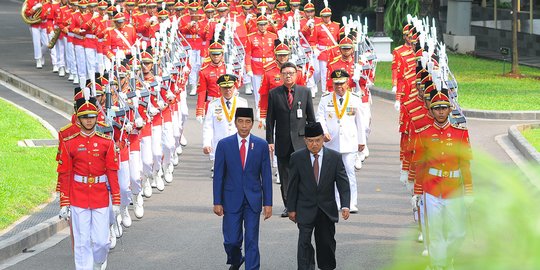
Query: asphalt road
column 179, row 230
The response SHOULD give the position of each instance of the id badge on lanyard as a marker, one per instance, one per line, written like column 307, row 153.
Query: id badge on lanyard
column 299, row 113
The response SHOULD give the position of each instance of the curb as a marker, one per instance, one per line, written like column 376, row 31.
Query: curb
column 28, row 238
column 483, row 114
column 526, row 149
column 36, row 91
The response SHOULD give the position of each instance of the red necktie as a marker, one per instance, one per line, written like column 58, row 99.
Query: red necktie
column 290, row 98
column 316, row 167
column 243, row 152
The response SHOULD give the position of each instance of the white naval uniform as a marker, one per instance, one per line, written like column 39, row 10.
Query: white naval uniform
column 346, row 133
column 216, row 126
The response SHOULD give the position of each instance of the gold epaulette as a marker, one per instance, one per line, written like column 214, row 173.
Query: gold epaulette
column 205, row 64
column 418, row 117
column 103, row 135
column 459, row 127
column 408, row 102
column 405, row 53
column 415, row 109
column 268, row 65
column 102, row 124
column 72, row 136
column 355, row 94
column 66, row 127
column 335, row 59
column 251, row 34
column 422, row 128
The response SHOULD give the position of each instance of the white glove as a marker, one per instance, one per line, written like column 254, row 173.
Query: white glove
column 106, row 17
column 250, row 73
column 139, row 122
column 116, row 210
column 310, row 23
column 65, row 213
column 35, row 7
column 316, row 52
column 95, row 14
column 200, row 119
column 248, row 17
column 262, row 123
column 397, row 105
column 152, row 111
column 161, row 104
column 153, row 19
column 122, row 95
column 394, row 89
column 170, row 95
column 128, row 127
column 469, row 200
column 415, row 200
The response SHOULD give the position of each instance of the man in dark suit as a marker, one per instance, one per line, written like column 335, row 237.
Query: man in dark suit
column 289, row 109
column 242, row 186
column 315, row 171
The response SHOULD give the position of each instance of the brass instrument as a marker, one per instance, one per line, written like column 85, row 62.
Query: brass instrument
column 53, row 40
column 35, row 18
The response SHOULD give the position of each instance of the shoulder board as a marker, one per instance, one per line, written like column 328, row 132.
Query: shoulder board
column 335, row 59
column 414, row 118
column 214, row 101
column 415, row 109
column 102, row 135
column 396, row 49
column 355, row 94
column 204, row 65
column 408, row 102
column 422, row 128
column 268, row 66
column 102, row 123
column 66, row 127
column 251, row 34
column 405, row 53
column 324, row 95
column 72, row 136
column 459, row 127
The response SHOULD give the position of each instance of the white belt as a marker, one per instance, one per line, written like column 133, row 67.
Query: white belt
column 145, row 38
column 446, row 174
column 90, row 179
column 90, row 36
column 78, row 36
column 321, row 47
column 70, row 34
column 192, row 36
column 100, row 40
column 258, row 59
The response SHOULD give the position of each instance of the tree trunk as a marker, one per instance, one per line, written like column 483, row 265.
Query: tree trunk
column 515, row 59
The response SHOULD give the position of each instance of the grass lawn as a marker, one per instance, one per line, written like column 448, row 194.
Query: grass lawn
column 533, row 136
column 481, row 85
column 27, row 175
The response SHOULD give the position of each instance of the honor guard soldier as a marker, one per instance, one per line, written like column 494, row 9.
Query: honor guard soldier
column 442, row 154
column 295, row 5
column 327, row 34
column 88, row 163
column 190, row 27
column 343, row 62
column 403, row 65
column 121, row 37
column 207, row 88
column 341, row 118
column 219, row 120
column 259, row 50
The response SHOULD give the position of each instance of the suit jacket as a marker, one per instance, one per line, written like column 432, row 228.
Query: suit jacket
column 288, row 128
column 232, row 183
column 305, row 196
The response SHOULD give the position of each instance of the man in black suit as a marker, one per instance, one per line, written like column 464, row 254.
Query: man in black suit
column 315, row 171
column 289, row 109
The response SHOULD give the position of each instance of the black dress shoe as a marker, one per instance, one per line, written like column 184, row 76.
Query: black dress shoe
column 237, row 266
column 285, row 213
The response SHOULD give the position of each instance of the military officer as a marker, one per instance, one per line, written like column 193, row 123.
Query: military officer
column 219, row 120
column 442, row 154
column 341, row 118
column 88, row 165
column 208, row 89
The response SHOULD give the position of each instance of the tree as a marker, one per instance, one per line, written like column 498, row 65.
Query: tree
column 515, row 59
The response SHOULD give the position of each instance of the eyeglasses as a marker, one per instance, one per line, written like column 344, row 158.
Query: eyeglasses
column 288, row 73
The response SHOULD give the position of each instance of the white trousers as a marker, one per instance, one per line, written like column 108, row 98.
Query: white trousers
column 60, row 49
column 256, row 84
column 135, row 169
column 80, row 57
column 322, row 71
column 183, row 104
column 195, row 61
column 146, row 156
column 157, row 148
column 39, row 41
column 348, row 161
column 91, row 63
column 54, row 56
column 167, row 142
column 70, row 58
column 123, row 182
column 446, row 227
column 366, row 117
column 100, row 63
column 90, row 236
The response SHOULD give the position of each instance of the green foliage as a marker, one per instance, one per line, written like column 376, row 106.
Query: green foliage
column 396, row 14
column 502, row 224
column 481, row 85
column 27, row 175
column 533, row 136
